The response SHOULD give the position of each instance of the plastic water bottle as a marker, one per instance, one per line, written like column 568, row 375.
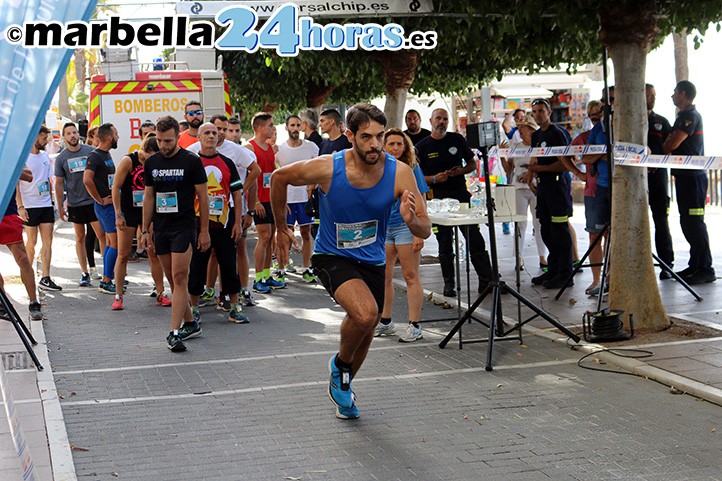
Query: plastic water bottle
column 478, row 201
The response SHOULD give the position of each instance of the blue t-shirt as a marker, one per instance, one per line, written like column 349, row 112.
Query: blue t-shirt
column 354, row 220
column 396, row 218
column 598, row 136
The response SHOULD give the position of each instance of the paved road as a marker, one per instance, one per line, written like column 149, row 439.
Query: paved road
column 248, row 402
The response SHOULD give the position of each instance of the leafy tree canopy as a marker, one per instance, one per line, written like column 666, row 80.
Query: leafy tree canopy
column 477, row 42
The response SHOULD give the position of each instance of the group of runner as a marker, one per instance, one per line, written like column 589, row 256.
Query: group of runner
column 189, row 199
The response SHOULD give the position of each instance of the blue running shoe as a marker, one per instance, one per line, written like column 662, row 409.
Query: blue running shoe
column 260, row 286
column 339, row 387
column 84, row 280
column 347, row 413
column 275, row 284
column 189, row 330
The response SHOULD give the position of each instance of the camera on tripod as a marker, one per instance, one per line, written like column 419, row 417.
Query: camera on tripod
column 484, row 134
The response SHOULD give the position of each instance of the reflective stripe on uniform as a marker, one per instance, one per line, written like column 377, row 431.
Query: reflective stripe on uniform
column 434, row 229
column 560, row 219
column 696, row 211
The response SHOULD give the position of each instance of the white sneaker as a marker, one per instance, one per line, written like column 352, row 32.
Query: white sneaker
column 411, row 334
column 94, row 274
column 385, row 329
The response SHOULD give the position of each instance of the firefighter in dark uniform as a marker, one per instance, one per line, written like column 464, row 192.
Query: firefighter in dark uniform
column 657, row 181
column 691, row 185
column 554, row 198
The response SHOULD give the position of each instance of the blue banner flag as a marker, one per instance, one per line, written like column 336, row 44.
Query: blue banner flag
column 28, row 80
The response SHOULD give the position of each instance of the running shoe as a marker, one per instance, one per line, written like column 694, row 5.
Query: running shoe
column 133, row 257
column 224, row 304
column 290, row 267
column 196, row 314
column 153, row 293
column 117, row 303
column 189, row 330
column 3, row 313
column 107, row 287
column 36, row 313
column 347, row 413
column 262, row 287
column 163, row 300
column 248, row 300
column 208, row 298
column 84, row 280
column 142, row 254
column 237, row 316
column 275, row 284
column 339, row 386
column 47, row 284
column 174, row 343
column 411, row 334
column 385, row 329
column 308, row 276
column 94, row 274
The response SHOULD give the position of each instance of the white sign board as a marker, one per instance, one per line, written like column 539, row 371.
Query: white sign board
column 128, row 111
column 310, row 8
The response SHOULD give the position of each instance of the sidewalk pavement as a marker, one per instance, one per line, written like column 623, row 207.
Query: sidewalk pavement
column 690, row 366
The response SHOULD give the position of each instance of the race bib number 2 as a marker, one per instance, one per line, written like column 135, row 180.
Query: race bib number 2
column 166, row 202
column 352, row 236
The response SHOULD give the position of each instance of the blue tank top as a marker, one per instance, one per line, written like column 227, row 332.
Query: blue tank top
column 354, row 220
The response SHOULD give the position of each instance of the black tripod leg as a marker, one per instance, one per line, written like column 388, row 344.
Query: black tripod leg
column 581, row 261
column 542, row 314
column 21, row 328
column 665, row 267
column 467, row 315
column 495, row 309
column 605, row 265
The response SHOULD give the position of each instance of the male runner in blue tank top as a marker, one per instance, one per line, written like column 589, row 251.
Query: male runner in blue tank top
column 358, row 187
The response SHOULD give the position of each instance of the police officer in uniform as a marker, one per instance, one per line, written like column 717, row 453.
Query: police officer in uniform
column 687, row 139
column 657, row 181
column 554, row 198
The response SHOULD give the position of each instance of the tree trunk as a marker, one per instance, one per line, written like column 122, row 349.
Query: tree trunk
column 633, row 284
column 394, row 107
column 316, row 95
column 399, row 68
column 63, row 101
column 80, row 64
column 681, row 67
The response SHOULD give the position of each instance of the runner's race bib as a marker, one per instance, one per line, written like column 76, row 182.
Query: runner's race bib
column 215, row 204
column 166, row 202
column 111, row 178
column 352, row 236
column 267, row 179
column 44, row 189
column 138, row 198
column 77, row 164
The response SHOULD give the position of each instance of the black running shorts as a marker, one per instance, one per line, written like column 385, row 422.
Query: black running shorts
column 333, row 271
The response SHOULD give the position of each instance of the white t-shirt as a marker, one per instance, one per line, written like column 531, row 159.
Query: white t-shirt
column 241, row 157
column 517, row 143
column 38, row 192
column 288, row 155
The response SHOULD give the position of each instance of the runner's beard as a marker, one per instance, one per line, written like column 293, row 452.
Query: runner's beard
column 195, row 122
column 75, row 144
column 364, row 156
column 294, row 135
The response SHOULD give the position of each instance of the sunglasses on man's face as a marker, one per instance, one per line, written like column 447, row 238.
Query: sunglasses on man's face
column 195, row 112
